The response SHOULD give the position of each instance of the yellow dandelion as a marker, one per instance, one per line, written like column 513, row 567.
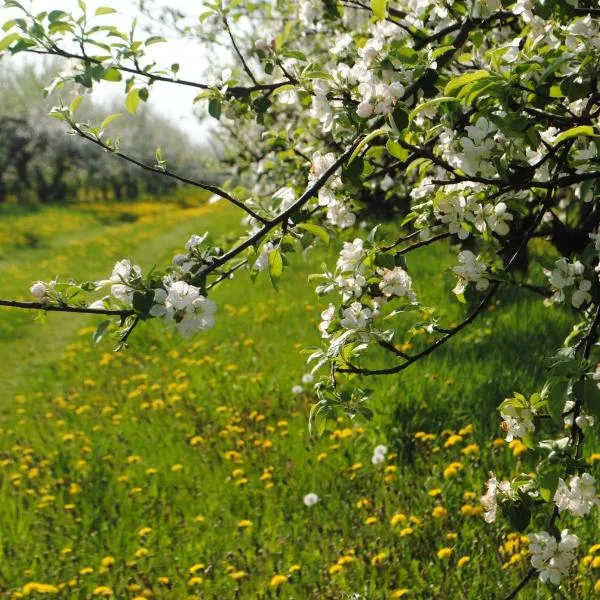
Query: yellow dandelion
column 378, row 559
column 244, row 524
column 406, row 531
column 444, row 553
column 278, row 580
column 439, row 512
column 192, row 581
column 462, row 561
column 398, row 518
column 470, row 450
column 434, row 492
column 102, row 590
column 335, row 569
column 400, row 593
column 195, row 568
column 109, row 561
column 371, row 520
column 237, row 575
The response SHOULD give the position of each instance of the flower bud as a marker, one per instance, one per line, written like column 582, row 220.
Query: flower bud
column 38, row 290
column 364, row 110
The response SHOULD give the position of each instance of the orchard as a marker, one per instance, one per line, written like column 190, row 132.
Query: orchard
column 381, row 128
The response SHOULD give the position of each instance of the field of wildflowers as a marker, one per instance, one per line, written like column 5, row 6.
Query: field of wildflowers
column 185, row 469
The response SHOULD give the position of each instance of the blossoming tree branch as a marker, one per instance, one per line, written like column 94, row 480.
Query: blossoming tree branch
column 473, row 124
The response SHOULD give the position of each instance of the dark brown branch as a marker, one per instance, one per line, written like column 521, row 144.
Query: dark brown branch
column 66, row 309
column 311, row 192
column 234, row 91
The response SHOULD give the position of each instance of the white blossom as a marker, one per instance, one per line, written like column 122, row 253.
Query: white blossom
column 356, row 316
column 397, row 282
column 579, row 497
column 471, row 270
column 550, row 557
column 489, row 500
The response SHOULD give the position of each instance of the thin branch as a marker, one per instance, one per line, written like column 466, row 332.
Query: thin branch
column 227, row 274
column 66, row 309
column 203, row 186
column 233, row 91
column 470, row 318
column 522, row 584
column 239, row 54
column 282, row 217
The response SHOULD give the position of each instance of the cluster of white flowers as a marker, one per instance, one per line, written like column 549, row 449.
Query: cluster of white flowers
column 550, row 557
column 471, row 270
column 327, row 317
column 517, row 421
column 379, row 454
column 569, row 274
column 396, row 282
column 476, row 148
column 338, row 212
column 182, row 303
column 579, row 497
column 123, row 279
column 583, row 420
column 356, row 316
column 489, row 501
column 457, row 206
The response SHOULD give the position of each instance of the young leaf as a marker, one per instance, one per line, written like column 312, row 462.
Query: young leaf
column 132, row 101
column 214, row 108
column 275, row 266
column 316, row 230
column 378, row 8
column 581, row 130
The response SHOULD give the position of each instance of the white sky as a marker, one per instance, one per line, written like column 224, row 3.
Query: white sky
column 172, row 101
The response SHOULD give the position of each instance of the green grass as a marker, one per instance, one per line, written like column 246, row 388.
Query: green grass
column 96, row 446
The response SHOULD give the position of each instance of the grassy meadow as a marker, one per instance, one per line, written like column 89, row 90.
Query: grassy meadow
column 176, row 469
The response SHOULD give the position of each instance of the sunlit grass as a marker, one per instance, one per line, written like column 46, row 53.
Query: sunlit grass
column 177, row 469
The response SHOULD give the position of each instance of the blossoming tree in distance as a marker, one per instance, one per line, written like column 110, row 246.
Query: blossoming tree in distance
column 470, row 123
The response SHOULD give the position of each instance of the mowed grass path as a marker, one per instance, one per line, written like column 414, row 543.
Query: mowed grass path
column 177, row 469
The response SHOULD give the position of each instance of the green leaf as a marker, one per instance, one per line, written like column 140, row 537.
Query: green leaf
column 100, row 331
column 75, row 104
column 591, row 398
column 6, row 41
column 548, row 481
column 457, row 83
column 214, row 108
column 112, row 74
column 275, row 266
column 364, row 142
column 143, row 302
column 110, row 119
column 581, row 130
column 155, row 39
column 429, row 103
column 55, row 15
column 132, row 101
column 399, row 118
column 105, row 10
column 555, row 394
column 316, row 230
column 396, row 150
column 378, row 8
column 517, row 514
